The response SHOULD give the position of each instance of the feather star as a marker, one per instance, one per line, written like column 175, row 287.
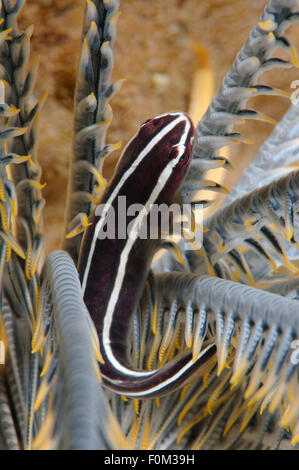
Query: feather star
column 239, row 290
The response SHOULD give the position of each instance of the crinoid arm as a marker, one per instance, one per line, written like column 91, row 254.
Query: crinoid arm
column 278, row 156
column 92, row 117
column 69, row 401
column 255, row 235
column 21, row 232
column 228, row 108
column 245, row 398
column 34, row 318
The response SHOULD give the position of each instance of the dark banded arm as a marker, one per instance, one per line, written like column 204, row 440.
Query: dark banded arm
column 92, row 118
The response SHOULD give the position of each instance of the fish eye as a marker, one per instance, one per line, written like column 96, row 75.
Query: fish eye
column 182, row 159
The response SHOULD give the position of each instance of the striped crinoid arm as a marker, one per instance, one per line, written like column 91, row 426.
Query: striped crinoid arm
column 278, row 156
column 250, row 385
column 19, row 80
column 21, row 205
column 288, row 288
column 8, row 202
column 12, row 158
column 228, row 108
column 21, row 368
column 92, row 117
column 70, row 410
column 254, row 236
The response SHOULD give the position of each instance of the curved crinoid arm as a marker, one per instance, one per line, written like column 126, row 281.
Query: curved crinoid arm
column 20, row 227
column 256, row 334
column 70, row 411
column 17, row 314
column 19, row 82
column 288, row 288
column 14, row 376
column 276, row 157
column 92, row 117
column 253, row 235
column 215, row 129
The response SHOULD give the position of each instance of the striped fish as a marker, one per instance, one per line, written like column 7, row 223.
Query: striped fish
column 113, row 270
